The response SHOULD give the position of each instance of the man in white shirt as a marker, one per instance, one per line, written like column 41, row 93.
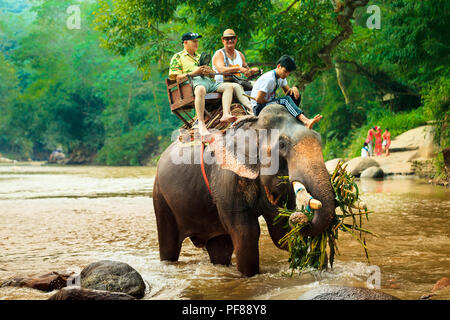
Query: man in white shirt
column 265, row 88
column 230, row 60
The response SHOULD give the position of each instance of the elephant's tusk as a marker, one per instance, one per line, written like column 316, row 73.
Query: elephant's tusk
column 360, row 205
column 304, row 197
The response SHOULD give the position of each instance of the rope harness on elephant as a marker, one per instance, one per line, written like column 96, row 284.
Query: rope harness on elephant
column 202, row 162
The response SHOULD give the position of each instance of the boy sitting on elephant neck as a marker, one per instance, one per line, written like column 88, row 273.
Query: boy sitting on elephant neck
column 265, row 88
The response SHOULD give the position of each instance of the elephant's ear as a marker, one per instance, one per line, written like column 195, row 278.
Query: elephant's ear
column 237, row 150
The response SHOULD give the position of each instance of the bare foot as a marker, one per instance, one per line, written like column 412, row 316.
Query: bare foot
column 310, row 122
column 202, row 129
column 228, row 118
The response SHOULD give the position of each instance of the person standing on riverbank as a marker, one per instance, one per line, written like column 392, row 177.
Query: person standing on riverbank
column 386, row 141
column 378, row 147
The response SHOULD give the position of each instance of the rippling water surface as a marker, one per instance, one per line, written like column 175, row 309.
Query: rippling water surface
column 63, row 218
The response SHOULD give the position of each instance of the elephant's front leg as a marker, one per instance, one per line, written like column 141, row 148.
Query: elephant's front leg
column 244, row 232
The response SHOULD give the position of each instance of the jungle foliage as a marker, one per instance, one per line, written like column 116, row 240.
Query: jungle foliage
column 99, row 91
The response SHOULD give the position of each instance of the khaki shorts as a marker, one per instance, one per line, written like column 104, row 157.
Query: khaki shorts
column 209, row 84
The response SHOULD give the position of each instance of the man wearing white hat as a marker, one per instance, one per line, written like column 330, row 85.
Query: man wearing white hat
column 230, row 60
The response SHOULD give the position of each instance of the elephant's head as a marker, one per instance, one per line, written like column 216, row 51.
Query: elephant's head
column 285, row 148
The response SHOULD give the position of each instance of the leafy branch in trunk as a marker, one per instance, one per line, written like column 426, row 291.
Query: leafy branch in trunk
column 311, row 252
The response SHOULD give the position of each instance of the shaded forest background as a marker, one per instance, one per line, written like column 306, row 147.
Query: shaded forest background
column 99, row 91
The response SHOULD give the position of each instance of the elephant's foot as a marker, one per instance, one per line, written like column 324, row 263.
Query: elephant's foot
column 248, row 266
column 169, row 248
column 247, row 256
column 220, row 250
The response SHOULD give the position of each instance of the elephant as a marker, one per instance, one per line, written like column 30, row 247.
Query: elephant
column 223, row 217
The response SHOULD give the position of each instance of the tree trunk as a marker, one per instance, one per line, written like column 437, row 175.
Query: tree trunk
column 340, row 82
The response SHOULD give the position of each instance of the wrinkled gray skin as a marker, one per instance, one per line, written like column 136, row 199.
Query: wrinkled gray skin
column 227, row 221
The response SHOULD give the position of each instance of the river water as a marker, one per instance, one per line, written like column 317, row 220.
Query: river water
column 62, row 218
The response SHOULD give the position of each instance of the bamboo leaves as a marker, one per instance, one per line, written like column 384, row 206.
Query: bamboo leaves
column 307, row 252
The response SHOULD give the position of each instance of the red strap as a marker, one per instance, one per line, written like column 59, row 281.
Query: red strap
column 203, row 168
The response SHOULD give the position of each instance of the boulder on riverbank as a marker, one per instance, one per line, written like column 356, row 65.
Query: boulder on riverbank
column 5, row 160
column 77, row 293
column 413, row 145
column 331, row 165
column 345, row 293
column 372, row 173
column 359, row 164
column 441, row 284
column 440, row 291
column 113, row 276
column 420, row 139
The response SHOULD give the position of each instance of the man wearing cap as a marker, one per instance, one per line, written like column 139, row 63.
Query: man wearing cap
column 186, row 63
column 230, row 60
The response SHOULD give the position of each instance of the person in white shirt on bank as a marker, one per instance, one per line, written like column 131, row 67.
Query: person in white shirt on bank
column 365, row 150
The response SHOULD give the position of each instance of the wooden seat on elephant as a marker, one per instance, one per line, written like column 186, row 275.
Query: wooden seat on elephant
column 181, row 100
column 212, row 122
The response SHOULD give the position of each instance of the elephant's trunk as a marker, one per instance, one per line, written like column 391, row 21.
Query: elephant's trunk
column 322, row 203
column 303, row 198
column 311, row 172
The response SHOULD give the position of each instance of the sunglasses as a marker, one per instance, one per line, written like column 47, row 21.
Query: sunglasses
column 229, row 38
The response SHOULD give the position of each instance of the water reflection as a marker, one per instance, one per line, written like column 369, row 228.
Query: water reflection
column 62, row 218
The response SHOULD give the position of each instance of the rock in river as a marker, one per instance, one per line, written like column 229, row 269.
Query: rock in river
column 359, row 164
column 372, row 172
column 46, row 282
column 77, row 293
column 113, row 276
column 345, row 293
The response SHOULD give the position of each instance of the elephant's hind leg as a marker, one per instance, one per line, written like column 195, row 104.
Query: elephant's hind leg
column 220, row 249
column 168, row 234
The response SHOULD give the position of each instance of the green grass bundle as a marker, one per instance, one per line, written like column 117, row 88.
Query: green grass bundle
column 311, row 252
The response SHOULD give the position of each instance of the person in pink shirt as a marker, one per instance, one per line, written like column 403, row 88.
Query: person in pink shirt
column 386, row 141
column 378, row 148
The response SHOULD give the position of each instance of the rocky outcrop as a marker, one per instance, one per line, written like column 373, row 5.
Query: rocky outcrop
column 441, row 284
column 47, row 282
column 420, row 139
column 440, row 291
column 372, row 173
column 5, row 160
column 113, row 276
column 345, row 293
column 359, row 164
column 80, row 156
column 446, row 155
column 331, row 165
column 77, row 293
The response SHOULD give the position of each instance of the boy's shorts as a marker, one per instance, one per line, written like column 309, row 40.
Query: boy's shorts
column 209, row 84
